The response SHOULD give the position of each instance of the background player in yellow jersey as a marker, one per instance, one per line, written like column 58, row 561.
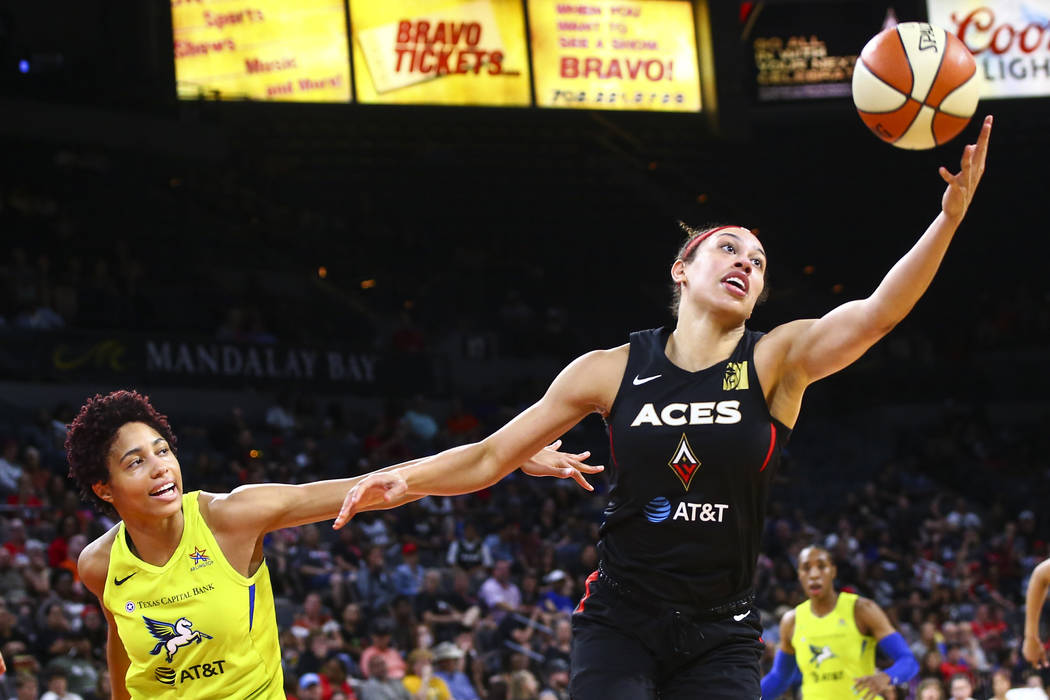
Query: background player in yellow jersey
column 181, row 577
column 831, row 640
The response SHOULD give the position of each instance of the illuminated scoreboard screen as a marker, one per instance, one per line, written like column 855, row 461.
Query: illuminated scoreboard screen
column 615, row 54
column 445, row 52
column 807, row 50
column 264, row 50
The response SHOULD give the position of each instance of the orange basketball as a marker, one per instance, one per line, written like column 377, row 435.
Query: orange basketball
column 915, row 85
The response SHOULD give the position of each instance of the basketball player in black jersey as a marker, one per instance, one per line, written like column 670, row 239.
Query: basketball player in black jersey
column 697, row 417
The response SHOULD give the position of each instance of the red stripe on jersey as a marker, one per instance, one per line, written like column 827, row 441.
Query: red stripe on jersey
column 586, row 591
column 612, row 452
column 772, row 444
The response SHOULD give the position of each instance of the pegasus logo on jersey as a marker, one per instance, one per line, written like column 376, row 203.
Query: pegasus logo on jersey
column 173, row 635
column 820, row 655
column 735, row 376
column 696, row 413
column 684, row 464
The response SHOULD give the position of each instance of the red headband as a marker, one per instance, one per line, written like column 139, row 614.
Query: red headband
column 696, row 241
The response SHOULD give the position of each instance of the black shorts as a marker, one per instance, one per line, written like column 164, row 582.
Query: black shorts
column 621, row 651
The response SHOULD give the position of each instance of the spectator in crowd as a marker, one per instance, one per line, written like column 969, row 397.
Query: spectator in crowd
column 26, row 687
column 557, row 680
column 380, row 686
column 420, row 680
column 930, row 689
column 309, row 687
column 499, row 593
column 961, row 687
column 375, row 584
column 10, row 469
column 394, row 665
column 57, row 687
column 448, row 666
column 408, row 576
column 469, row 552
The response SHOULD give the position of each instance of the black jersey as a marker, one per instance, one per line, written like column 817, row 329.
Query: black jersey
column 693, row 454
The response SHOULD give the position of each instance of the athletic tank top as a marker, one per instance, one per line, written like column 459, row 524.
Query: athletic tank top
column 830, row 651
column 194, row 627
column 468, row 554
column 693, row 454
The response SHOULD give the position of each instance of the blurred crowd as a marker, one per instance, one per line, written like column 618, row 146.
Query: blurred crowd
column 470, row 597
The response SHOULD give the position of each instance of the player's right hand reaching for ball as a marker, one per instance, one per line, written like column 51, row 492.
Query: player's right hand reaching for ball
column 961, row 186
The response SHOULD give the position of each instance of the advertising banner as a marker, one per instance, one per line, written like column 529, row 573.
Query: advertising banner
column 123, row 358
column 615, row 54
column 1010, row 39
column 267, row 50
column 440, row 52
column 807, row 50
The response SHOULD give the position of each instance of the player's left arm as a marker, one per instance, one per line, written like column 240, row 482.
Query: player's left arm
column 822, row 347
column 872, row 622
column 259, row 508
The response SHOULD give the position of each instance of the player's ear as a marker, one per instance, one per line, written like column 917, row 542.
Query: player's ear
column 103, row 491
column 678, row 271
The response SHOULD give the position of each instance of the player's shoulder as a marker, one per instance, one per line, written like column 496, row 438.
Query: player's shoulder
column 788, row 618
column 598, row 365
column 863, row 607
column 781, row 337
column 93, row 562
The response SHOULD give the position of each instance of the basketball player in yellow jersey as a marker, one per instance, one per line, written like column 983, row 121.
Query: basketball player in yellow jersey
column 831, row 640
column 182, row 579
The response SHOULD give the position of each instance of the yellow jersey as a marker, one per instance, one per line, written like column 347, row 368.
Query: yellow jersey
column 830, row 651
column 194, row 627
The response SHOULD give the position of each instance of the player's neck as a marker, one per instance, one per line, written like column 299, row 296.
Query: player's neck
column 699, row 341
column 824, row 604
column 154, row 542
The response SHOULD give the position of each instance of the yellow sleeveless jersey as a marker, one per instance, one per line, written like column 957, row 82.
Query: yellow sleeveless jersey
column 195, row 627
column 830, row 652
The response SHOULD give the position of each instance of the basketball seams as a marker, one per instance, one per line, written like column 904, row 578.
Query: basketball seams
column 907, row 60
column 937, row 73
column 891, row 86
column 963, row 85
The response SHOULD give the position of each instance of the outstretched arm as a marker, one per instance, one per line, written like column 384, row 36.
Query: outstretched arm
column 1033, row 648
column 587, row 385
column 817, row 348
column 258, row 508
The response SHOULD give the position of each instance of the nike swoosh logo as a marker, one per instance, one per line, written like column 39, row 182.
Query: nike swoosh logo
column 120, row 581
column 741, row 616
column 638, row 381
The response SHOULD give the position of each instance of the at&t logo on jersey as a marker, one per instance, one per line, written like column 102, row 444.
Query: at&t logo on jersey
column 695, row 413
column 659, row 509
column 169, row 676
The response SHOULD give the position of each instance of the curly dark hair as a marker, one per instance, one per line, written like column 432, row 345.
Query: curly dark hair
column 93, row 431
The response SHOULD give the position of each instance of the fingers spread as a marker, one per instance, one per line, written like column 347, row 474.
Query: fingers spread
column 578, row 478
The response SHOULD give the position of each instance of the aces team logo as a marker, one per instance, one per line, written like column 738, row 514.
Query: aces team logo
column 684, row 463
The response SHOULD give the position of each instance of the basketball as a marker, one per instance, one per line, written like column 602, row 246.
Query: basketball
column 915, row 85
